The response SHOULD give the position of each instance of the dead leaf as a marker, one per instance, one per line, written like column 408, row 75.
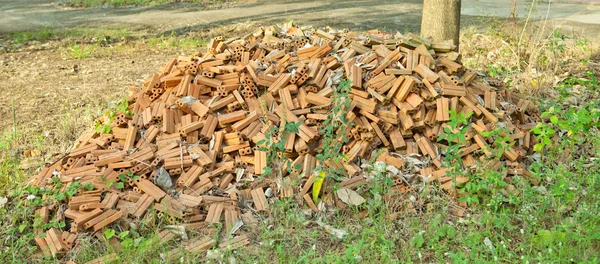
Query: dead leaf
column 350, row 197
column 3, row 201
column 339, row 233
column 178, row 230
column 28, row 163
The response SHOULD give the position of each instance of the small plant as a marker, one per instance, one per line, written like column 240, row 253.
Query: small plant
column 557, row 41
column 575, row 126
column 495, row 72
column 334, row 136
column 454, row 133
column 80, row 51
column 121, row 180
column 502, row 141
column 274, row 145
column 103, row 124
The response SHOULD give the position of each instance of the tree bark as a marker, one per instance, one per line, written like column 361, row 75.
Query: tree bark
column 441, row 20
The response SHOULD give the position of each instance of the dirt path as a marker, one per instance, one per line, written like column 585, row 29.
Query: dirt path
column 21, row 15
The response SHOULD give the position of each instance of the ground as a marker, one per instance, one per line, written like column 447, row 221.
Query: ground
column 61, row 66
column 403, row 15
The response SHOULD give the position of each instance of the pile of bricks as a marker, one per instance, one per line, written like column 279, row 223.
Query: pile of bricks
column 188, row 146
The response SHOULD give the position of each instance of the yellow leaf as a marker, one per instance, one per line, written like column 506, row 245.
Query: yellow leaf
column 534, row 83
column 570, row 132
column 317, row 183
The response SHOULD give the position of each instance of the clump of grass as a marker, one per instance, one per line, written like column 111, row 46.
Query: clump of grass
column 77, row 51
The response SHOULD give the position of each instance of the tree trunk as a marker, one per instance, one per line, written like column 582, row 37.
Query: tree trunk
column 441, row 20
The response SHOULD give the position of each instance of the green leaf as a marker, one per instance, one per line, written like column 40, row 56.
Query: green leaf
column 122, row 177
column 88, row 186
column 110, row 183
column 554, row 119
column 22, row 227
column 123, row 234
column 417, row 241
column 267, row 171
column 120, row 185
column 109, row 233
column 60, row 196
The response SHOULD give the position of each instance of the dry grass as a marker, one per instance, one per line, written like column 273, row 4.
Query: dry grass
column 531, row 58
column 57, row 96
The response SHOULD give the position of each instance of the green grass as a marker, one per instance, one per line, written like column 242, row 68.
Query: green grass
column 82, row 43
column 77, row 51
column 48, row 34
column 173, row 41
column 10, row 172
column 116, row 3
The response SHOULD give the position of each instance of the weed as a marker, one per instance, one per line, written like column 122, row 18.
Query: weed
column 333, row 136
column 274, row 145
column 77, row 51
column 102, row 124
